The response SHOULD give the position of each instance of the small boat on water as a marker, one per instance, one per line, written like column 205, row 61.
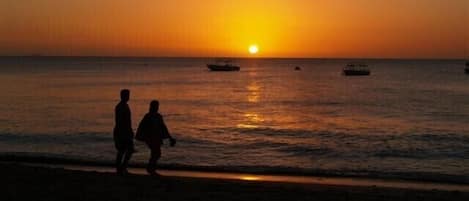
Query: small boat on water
column 466, row 70
column 356, row 70
column 223, row 66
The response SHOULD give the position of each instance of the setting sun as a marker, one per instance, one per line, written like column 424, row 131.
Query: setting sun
column 253, row 49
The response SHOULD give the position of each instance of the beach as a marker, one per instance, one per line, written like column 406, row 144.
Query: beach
column 21, row 182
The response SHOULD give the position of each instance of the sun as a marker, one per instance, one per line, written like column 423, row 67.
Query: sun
column 253, row 49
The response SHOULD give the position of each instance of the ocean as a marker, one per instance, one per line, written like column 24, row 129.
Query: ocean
column 408, row 119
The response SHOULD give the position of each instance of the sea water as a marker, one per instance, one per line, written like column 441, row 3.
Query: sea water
column 409, row 117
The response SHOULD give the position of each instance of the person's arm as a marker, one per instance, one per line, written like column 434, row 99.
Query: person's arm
column 129, row 117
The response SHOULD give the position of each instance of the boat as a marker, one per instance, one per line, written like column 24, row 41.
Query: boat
column 356, row 70
column 467, row 67
column 223, row 66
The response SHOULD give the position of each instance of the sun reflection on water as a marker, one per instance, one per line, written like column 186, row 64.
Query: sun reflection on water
column 251, row 120
column 253, row 92
column 254, row 118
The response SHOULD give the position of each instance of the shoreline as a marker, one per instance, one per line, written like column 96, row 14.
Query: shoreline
column 410, row 177
column 32, row 183
column 292, row 179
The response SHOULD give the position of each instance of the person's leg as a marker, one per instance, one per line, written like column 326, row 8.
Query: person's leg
column 125, row 163
column 127, row 155
column 155, row 156
column 119, row 156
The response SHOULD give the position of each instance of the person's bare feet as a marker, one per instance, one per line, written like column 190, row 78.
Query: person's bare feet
column 153, row 173
column 122, row 171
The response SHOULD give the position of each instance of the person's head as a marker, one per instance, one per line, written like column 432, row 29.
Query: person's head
column 125, row 95
column 154, row 106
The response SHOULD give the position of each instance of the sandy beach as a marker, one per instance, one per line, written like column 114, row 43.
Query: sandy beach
column 22, row 182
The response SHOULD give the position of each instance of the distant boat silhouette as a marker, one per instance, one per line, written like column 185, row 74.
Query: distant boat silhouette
column 297, row 68
column 356, row 70
column 225, row 65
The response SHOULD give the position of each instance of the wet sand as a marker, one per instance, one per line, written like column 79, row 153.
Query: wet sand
column 304, row 179
column 20, row 182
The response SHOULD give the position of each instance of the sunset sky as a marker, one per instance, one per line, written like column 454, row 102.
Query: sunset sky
column 215, row 28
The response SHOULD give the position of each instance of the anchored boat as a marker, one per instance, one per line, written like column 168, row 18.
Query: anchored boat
column 225, row 65
column 356, row 70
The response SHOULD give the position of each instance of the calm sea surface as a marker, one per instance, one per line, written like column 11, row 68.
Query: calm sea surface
column 409, row 117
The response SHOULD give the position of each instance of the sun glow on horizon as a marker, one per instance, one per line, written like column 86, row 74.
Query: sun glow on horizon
column 281, row 28
column 253, row 49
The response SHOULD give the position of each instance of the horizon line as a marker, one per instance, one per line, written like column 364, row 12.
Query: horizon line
column 226, row 57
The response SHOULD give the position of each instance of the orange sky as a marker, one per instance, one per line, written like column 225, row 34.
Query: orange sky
column 209, row 28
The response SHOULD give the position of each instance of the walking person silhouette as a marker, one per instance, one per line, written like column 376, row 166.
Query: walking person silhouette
column 152, row 130
column 123, row 133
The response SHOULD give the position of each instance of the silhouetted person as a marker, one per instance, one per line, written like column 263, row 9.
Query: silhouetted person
column 123, row 133
column 152, row 130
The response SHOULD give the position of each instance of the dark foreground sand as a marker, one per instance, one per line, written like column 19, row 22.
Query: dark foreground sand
column 20, row 182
